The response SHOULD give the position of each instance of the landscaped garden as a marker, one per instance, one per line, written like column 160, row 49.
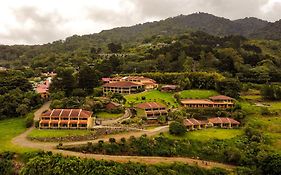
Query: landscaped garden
column 154, row 95
column 197, row 93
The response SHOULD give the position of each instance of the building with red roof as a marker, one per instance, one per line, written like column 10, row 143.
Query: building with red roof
column 223, row 122
column 43, row 88
column 169, row 88
column 122, row 87
column 146, row 83
column 193, row 124
column 66, row 119
column 153, row 110
column 220, row 101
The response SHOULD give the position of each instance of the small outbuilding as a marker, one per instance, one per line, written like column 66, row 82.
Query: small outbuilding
column 169, row 88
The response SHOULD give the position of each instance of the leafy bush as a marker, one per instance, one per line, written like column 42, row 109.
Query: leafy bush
column 177, row 128
column 29, row 120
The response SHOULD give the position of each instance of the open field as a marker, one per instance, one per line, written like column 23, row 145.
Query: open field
column 106, row 115
column 209, row 134
column 197, row 93
column 155, row 95
column 49, row 133
column 10, row 128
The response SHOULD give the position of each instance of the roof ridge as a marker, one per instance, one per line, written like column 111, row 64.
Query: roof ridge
column 60, row 112
column 70, row 112
column 52, row 112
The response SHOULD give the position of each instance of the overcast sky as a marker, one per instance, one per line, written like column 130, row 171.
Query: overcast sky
column 42, row 21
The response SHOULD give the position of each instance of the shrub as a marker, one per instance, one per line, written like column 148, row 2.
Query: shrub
column 177, row 128
column 29, row 120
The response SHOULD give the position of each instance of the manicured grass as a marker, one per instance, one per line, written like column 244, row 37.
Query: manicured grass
column 155, row 95
column 9, row 129
column 209, row 134
column 49, row 133
column 106, row 115
column 197, row 93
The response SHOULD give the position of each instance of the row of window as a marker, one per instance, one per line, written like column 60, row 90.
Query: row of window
column 60, row 118
column 45, row 125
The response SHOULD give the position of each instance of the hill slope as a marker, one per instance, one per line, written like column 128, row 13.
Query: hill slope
column 198, row 21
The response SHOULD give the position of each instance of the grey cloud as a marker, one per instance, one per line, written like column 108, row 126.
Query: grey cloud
column 46, row 27
column 274, row 14
column 232, row 9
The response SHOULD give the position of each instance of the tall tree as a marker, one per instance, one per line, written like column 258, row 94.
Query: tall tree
column 87, row 78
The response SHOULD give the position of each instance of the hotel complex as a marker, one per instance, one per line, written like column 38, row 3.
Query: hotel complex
column 219, row 101
column 128, row 85
column 66, row 119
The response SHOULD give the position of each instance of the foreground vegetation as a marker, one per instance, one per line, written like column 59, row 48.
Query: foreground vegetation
column 55, row 164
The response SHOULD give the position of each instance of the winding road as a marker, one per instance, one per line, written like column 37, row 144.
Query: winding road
column 21, row 140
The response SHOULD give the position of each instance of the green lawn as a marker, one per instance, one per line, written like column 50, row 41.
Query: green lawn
column 106, row 115
column 209, row 134
column 197, row 93
column 155, row 95
column 9, row 129
column 49, row 133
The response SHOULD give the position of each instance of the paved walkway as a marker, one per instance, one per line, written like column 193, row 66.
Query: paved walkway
column 21, row 140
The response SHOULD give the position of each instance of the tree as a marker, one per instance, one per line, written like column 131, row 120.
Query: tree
column 64, row 80
column 230, row 87
column 114, row 48
column 22, row 109
column 271, row 165
column 87, row 78
column 177, row 128
column 119, row 98
column 184, row 83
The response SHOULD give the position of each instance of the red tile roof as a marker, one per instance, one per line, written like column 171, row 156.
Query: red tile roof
column 68, row 113
column 220, row 97
column 222, row 120
column 196, row 101
column 150, row 105
column 194, row 122
column 170, row 86
column 122, row 84
column 105, row 79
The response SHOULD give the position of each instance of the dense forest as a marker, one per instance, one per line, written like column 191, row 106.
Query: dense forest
column 17, row 97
